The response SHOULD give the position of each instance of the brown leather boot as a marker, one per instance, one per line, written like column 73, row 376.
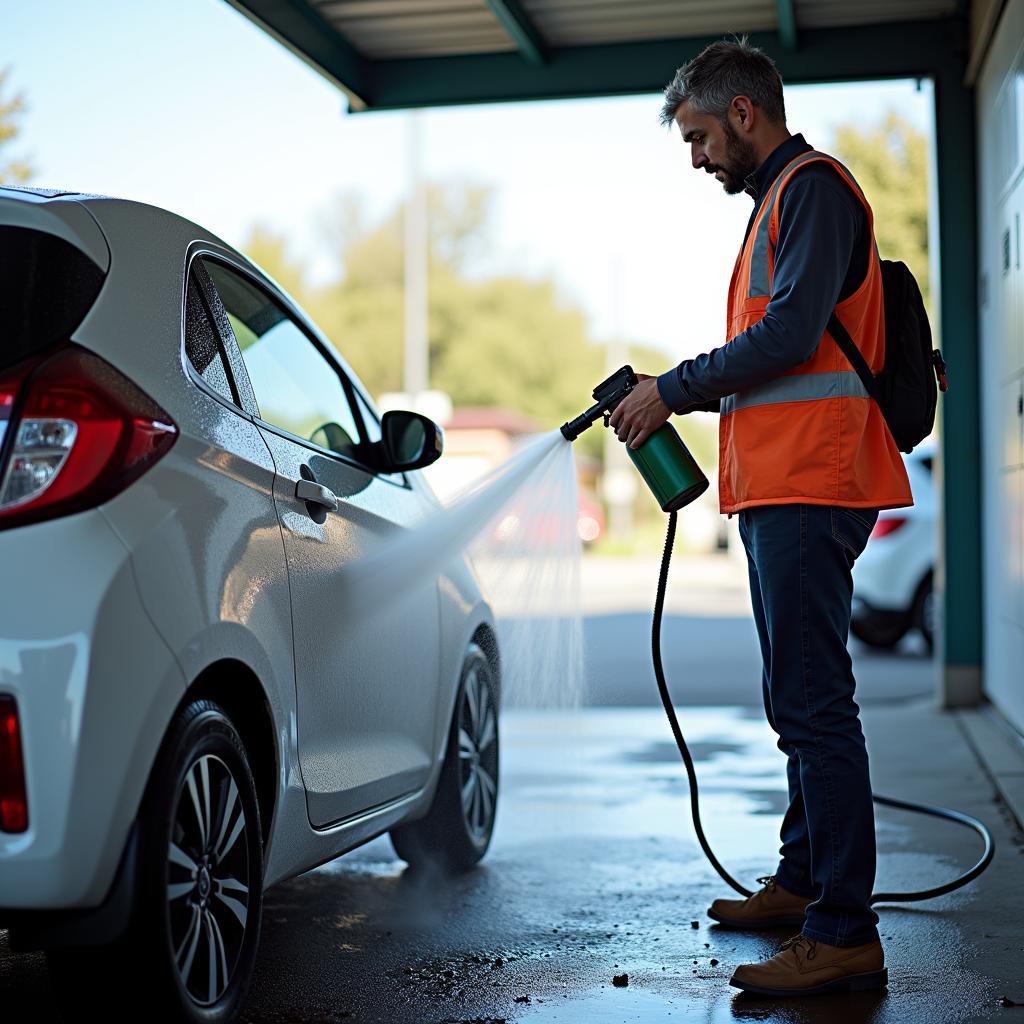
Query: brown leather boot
column 804, row 967
column 770, row 907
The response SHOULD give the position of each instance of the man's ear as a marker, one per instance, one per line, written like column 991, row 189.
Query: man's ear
column 741, row 113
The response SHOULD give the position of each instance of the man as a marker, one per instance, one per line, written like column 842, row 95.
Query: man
column 806, row 462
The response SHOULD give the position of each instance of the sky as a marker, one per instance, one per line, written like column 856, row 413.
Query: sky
column 189, row 106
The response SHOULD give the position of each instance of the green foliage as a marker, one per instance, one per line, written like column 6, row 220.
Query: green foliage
column 889, row 159
column 270, row 250
column 510, row 342
column 14, row 171
column 501, row 341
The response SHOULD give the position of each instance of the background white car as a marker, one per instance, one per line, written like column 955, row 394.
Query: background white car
column 192, row 704
column 892, row 578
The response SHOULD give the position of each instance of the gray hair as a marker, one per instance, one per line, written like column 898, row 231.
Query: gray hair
column 720, row 72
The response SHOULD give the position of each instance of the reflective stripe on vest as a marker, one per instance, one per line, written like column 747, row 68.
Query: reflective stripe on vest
column 758, row 287
column 802, row 387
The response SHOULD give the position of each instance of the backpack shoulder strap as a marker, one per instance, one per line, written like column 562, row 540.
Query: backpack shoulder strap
column 850, row 350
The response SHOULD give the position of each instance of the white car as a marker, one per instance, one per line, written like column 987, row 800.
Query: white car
column 892, row 578
column 192, row 705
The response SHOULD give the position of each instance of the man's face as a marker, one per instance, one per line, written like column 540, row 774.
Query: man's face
column 717, row 147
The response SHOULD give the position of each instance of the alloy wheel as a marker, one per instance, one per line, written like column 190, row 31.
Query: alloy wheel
column 478, row 755
column 207, row 879
column 929, row 613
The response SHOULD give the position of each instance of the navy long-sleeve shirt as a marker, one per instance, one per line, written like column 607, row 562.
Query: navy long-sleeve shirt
column 821, row 258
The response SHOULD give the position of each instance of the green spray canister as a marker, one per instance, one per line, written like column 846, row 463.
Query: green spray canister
column 664, row 462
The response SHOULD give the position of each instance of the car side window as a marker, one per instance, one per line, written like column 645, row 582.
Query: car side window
column 201, row 345
column 297, row 388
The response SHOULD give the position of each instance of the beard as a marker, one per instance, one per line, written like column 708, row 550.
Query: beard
column 739, row 162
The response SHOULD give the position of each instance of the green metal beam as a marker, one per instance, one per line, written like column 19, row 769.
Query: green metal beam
column 516, row 22
column 960, row 578
column 296, row 25
column 902, row 49
column 787, row 23
column 896, row 50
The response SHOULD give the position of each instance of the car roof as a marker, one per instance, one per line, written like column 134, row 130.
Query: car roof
column 136, row 320
column 144, row 250
column 117, row 217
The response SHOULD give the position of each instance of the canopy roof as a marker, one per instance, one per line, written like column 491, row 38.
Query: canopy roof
column 407, row 53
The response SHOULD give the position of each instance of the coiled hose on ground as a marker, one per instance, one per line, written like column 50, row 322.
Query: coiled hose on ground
column 886, row 801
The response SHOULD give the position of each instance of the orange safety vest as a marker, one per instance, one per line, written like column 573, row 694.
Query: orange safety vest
column 811, row 435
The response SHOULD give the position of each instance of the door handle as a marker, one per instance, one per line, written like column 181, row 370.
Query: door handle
column 316, row 494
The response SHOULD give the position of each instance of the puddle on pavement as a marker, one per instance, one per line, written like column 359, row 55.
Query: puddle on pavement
column 637, row 1006
column 666, row 752
column 612, row 1006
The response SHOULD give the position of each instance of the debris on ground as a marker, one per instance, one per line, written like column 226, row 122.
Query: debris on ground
column 451, row 976
column 695, row 924
column 476, row 1020
column 522, row 999
column 714, row 963
column 620, row 980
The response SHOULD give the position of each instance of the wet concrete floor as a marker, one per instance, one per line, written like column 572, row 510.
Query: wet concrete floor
column 594, row 872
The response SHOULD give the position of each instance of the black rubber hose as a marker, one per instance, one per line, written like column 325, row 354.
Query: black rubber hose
column 905, row 805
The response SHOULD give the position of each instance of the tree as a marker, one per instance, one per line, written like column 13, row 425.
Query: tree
column 504, row 341
column 14, row 170
column 890, row 162
column 270, row 251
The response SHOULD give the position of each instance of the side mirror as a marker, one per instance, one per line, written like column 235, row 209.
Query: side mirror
column 409, row 441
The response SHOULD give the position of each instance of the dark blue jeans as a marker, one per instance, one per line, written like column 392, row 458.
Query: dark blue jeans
column 799, row 558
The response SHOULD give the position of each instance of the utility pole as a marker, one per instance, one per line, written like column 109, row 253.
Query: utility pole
column 619, row 484
column 416, row 369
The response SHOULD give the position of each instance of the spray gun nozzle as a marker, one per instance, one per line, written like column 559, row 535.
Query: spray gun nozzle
column 607, row 396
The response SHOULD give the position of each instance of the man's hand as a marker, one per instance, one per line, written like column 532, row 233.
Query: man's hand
column 640, row 413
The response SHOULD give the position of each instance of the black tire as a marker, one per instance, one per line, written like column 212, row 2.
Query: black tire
column 456, row 832
column 922, row 614
column 190, row 949
column 880, row 629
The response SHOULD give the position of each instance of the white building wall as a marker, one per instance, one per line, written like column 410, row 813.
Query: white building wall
column 1000, row 108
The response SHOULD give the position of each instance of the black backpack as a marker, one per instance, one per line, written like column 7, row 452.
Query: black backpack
column 906, row 388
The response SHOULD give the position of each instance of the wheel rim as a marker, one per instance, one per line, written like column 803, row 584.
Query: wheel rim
column 478, row 755
column 208, row 879
column 928, row 613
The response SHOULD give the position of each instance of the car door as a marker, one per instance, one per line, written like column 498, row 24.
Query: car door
column 366, row 684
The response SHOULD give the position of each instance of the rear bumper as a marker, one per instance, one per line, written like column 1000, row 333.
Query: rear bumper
column 46, row 929
column 886, row 576
column 869, row 615
column 95, row 685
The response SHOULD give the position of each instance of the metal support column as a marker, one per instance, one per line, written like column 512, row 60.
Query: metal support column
column 958, row 574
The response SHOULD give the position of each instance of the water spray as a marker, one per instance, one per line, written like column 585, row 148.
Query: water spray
column 675, row 479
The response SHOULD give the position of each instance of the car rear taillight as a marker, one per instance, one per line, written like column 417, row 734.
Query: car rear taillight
column 73, row 433
column 13, row 804
column 883, row 527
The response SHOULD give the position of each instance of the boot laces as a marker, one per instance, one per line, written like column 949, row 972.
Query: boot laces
column 768, row 881
column 800, row 943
